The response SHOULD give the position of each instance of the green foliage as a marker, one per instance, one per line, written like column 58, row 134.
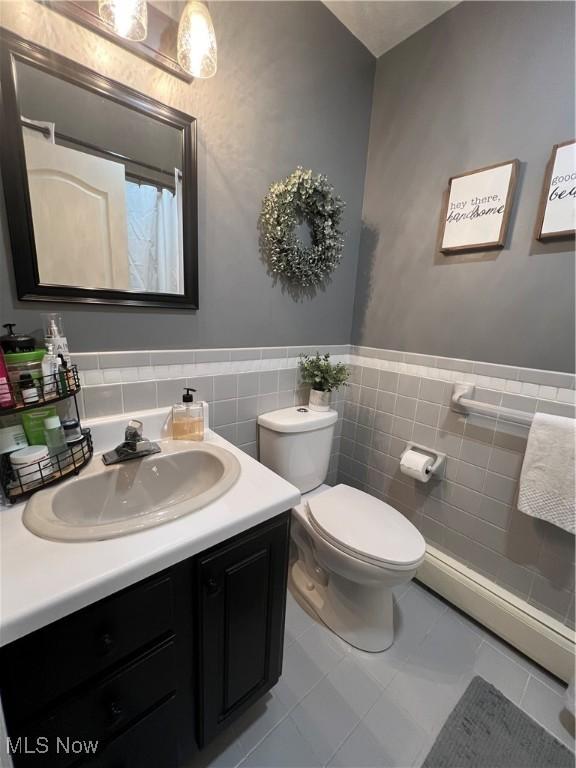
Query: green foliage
column 321, row 374
column 302, row 198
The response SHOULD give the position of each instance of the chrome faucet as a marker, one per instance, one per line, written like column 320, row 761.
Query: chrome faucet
column 135, row 445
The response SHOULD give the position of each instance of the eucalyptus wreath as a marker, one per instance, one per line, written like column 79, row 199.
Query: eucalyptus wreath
column 302, row 198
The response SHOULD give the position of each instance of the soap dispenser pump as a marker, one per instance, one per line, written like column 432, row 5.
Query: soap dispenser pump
column 188, row 418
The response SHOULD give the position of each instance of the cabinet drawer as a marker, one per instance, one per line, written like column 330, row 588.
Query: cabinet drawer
column 55, row 659
column 100, row 714
column 153, row 742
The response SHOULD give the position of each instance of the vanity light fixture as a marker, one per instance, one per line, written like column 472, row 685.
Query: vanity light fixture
column 197, row 53
column 128, row 18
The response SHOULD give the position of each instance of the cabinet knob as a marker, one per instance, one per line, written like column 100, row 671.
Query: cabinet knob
column 212, row 585
column 106, row 642
column 115, row 711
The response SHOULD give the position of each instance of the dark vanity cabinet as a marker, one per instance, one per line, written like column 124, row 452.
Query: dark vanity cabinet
column 154, row 672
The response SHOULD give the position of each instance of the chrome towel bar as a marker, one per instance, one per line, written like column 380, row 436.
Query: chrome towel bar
column 462, row 402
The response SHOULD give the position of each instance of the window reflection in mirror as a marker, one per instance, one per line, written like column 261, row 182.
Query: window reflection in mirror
column 105, row 185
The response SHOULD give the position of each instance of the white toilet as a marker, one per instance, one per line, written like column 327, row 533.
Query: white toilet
column 352, row 548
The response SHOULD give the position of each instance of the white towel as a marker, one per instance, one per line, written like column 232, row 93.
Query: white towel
column 548, row 472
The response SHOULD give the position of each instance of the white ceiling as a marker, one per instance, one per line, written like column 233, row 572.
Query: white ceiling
column 382, row 24
column 379, row 24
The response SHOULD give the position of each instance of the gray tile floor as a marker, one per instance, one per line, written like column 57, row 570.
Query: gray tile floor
column 336, row 706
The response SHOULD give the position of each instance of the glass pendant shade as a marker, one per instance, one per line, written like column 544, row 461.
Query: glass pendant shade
column 128, row 18
column 197, row 52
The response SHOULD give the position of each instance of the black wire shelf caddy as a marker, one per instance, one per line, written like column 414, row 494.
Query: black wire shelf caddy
column 19, row 483
column 37, row 391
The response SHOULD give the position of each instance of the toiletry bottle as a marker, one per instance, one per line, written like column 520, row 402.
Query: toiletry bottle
column 62, row 379
column 56, row 441
column 16, row 342
column 67, row 373
column 33, row 423
column 66, row 383
column 6, row 399
column 18, row 363
column 188, row 418
column 31, row 465
column 49, row 373
column 54, row 334
column 28, row 389
column 72, row 430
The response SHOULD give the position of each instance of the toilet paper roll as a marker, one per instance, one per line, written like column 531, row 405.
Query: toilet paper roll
column 417, row 465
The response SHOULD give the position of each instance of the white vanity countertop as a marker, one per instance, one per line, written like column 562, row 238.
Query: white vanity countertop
column 42, row 581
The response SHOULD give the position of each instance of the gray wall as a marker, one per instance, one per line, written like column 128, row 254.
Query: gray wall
column 485, row 83
column 293, row 87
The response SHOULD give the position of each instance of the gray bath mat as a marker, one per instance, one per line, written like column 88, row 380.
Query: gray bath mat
column 486, row 730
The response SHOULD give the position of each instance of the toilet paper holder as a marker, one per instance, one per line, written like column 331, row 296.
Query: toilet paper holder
column 439, row 458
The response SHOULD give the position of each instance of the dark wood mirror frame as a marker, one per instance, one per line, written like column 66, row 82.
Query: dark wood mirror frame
column 159, row 48
column 15, row 49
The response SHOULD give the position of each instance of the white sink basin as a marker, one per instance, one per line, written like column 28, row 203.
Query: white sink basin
column 105, row 502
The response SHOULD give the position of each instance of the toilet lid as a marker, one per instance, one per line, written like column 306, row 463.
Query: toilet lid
column 368, row 528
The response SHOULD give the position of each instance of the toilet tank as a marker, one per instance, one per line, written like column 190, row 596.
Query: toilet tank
column 296, row 443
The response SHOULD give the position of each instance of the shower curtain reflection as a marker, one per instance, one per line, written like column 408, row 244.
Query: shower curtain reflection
column 154, row 246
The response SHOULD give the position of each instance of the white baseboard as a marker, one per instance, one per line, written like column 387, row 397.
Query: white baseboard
column 537, row 635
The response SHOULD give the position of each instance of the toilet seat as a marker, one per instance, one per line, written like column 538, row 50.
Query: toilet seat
column 366, row 528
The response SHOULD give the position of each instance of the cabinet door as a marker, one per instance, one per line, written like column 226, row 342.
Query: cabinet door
column 241, row 608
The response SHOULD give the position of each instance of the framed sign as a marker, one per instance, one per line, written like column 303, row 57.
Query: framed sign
column 477, row 208
column 557, row 211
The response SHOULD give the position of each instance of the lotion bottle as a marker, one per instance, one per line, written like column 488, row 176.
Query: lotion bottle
column 49, row 373
column 188, row 418
column 54, row 335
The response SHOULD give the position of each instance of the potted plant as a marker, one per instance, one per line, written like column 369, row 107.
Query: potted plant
column 323, row 377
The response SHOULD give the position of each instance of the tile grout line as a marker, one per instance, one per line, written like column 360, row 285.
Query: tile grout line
column 524, row 689
column 377, row 682
column 292, row 708
column 484, row 640
column 358, row 724
column 535, row 717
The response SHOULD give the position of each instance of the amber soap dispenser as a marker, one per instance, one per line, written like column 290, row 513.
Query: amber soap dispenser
column 188, row 418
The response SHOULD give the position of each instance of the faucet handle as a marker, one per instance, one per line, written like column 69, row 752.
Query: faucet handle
column 134, row 431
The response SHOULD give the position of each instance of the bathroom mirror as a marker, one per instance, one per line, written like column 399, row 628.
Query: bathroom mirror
column 100, row 185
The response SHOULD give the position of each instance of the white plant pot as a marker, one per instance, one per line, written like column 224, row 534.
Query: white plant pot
column 319, row 401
